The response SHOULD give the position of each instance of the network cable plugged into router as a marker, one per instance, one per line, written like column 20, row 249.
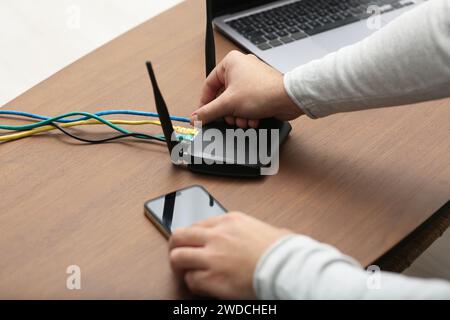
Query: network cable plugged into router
column 74, row 119
column 240, row 153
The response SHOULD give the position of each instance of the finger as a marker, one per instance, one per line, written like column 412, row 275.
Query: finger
column 216, row 109
column 197, row 282
column 253, row 123
column 188, row 237
column 242, row 123
column 221, row 90
column 211, row 222
column 213, row 85
column 188, row 259
column 230, row 120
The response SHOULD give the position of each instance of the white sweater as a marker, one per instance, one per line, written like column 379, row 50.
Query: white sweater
column 405, row 62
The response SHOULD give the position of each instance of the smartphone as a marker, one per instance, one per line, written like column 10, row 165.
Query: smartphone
column 182, row 208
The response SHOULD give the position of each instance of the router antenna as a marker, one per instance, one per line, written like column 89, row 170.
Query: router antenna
column 210, row 46
column 161, row 107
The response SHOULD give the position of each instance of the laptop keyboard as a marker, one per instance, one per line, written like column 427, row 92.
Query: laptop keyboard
column 297, row 20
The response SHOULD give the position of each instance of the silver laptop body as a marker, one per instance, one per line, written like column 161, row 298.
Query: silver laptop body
column 291, row 54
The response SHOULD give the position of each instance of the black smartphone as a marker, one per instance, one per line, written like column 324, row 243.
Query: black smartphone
column 182, row 208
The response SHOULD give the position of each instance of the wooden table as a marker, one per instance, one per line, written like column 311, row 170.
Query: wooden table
column 360, row 181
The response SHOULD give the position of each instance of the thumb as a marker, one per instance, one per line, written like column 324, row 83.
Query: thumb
column 214, row 110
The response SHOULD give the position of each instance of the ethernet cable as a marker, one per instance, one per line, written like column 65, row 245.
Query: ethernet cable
column 100, row 114
column 66, row 115
column 182, row 131
column 134, row 135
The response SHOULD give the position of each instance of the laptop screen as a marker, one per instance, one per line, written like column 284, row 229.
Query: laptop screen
column 221, row 7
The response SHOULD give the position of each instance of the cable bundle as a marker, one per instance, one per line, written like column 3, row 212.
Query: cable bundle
column 74, row 119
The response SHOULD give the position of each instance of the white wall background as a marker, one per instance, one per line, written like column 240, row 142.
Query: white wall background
column 40, row 37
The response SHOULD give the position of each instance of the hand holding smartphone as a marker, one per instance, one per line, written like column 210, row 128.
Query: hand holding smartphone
column 182, row 208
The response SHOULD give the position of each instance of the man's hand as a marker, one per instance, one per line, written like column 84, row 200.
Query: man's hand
column 243, row 90
column 218, row 257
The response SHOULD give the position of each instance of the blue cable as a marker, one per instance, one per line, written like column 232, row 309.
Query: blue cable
column 100, row 114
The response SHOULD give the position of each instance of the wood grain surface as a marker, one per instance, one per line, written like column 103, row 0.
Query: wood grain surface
column 360, row 181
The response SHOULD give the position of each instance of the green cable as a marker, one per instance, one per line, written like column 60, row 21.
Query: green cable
column 66, row 115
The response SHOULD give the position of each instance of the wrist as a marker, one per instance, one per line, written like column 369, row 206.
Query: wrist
column 268, row 266
column 288, row 108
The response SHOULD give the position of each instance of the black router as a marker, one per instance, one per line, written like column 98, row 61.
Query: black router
column 237, row 162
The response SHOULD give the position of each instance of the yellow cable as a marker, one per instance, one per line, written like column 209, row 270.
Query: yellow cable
column 28, row 133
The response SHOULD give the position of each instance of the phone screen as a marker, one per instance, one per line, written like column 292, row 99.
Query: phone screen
column 182, row 208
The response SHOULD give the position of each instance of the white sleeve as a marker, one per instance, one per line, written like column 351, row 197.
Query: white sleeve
column 297, row 267
column 405, row 62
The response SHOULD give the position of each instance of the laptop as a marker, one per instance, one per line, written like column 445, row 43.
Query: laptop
column 289, row 33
